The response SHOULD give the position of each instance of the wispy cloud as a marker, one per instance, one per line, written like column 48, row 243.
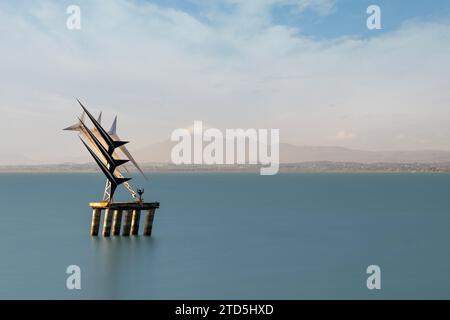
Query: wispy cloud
column 160, row 67
column 343, row 135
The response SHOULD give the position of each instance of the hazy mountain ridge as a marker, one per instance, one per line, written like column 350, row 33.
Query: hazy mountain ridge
column 289, row 153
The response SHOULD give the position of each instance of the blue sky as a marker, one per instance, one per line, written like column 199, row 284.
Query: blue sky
column 310, row 68
column 345, row 18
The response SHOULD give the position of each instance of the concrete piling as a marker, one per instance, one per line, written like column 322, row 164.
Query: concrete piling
column 135, row 222
column 95, row 225
column 126, row 223
column 107, row 223
column 149, row 222
column 117, row 221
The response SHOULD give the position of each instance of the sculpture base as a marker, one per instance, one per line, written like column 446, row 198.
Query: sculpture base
column 131, row 211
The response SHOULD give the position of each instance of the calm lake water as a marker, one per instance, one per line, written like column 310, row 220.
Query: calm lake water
column 231, row 236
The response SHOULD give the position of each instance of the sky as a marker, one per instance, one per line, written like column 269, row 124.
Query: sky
column 310, row 68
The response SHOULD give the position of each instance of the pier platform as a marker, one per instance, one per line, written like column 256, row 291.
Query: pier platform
column 131, row 213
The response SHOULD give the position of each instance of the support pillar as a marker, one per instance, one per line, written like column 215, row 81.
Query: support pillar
column 126, row 223
column 107, row 223
column 95, row 225
column 149, row 222
column 135, row 222
column 117, row 221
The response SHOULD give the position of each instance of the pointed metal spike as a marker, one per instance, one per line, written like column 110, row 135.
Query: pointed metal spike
column 119, row 143
column 122, row 180
column 113, row 129
column 74, row 127
column 120, row 162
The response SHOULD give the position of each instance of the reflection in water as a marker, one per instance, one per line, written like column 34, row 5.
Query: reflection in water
column 118, row 265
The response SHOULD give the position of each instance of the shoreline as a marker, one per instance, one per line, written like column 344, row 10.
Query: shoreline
column 303, row 167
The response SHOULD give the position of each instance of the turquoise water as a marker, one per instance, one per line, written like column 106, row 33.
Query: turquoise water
column 232, row 236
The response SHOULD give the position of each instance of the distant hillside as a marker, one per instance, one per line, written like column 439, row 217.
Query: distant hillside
column 160, row 153
column 156, row 153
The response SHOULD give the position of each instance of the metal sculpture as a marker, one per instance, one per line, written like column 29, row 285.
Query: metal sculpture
column 102, row 146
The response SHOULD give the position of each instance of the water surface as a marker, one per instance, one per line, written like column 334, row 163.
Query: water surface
column 231, row 236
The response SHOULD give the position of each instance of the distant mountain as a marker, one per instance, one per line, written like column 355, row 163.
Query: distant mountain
column 160, row 153
column 292, row 154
